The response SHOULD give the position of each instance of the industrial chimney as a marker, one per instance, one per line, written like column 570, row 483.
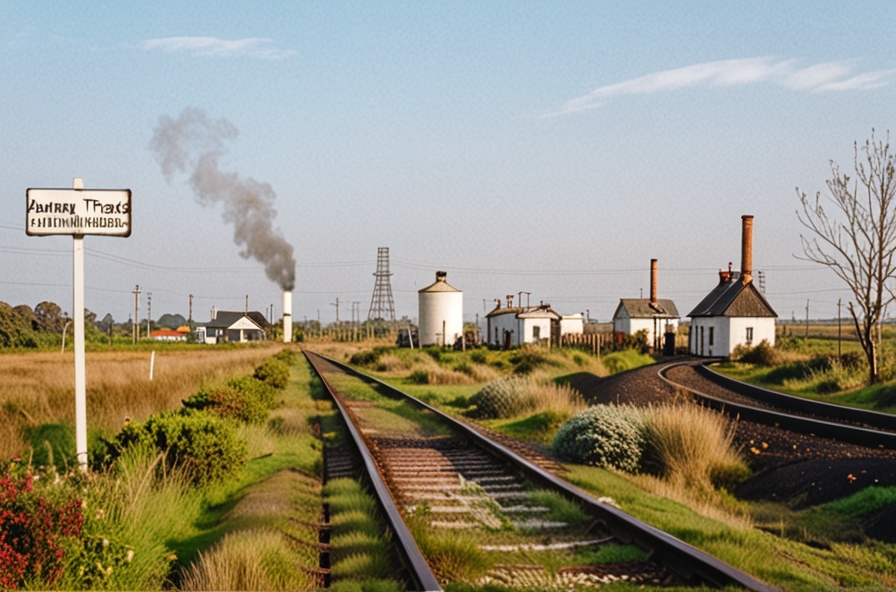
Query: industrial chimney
column 287, row 316
column 653, row 281
column 746, row 252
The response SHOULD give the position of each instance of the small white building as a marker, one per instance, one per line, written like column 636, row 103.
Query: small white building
column 572, row 324
column 735, row 312
column 640, row 314
column 513, row 326
column 231, row 326
column 441, row 310
column 656, row 316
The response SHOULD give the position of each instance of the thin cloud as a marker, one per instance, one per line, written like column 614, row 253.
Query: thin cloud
column 824, row 77
column 252, row 47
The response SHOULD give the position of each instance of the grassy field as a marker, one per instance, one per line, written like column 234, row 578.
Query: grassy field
column 216, row 538
column 38, row 388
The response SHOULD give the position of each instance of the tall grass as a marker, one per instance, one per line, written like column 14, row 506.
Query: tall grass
column 247, row 560
column 38, row 388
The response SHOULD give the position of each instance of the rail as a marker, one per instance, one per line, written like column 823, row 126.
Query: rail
column 685, row 560
column 837, row 430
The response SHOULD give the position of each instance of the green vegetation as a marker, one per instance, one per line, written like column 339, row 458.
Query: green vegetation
column 611, row 436
column 811, row 368
column 519, row 396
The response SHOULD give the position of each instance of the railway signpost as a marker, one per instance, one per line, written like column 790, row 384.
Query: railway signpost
column 78, row 212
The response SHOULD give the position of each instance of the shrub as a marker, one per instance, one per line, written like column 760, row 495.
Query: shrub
column 247, row 405
column 274, row 372
column 419, row 377
column 364, row 358
column 33, row 534
column 499, row 398
column 609, row 436
column 205, row 445
column 516, row 396
column 763, row 354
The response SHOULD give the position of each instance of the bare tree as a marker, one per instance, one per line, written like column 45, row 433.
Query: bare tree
column 858, row 240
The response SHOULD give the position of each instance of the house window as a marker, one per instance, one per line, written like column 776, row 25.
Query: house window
column 749, row 335
column 712, row 335
column 536, row 332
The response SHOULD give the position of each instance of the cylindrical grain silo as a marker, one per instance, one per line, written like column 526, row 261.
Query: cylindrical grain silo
column 441, row 313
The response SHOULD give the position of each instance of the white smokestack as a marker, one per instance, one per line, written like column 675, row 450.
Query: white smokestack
column 287, row 317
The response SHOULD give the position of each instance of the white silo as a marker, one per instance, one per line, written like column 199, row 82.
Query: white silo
column 441, row 313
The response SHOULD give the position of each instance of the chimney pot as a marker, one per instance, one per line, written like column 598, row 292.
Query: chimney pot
column 653, row 281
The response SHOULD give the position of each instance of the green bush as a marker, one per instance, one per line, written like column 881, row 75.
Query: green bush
column 419, row 377
column 763, row 354
column 500, row 398
column 246, row 400
column 364, row 358
column 274, row 372
column 609, row 436
column 201, row 443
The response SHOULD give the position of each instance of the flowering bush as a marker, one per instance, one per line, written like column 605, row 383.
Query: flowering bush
column 33, row 533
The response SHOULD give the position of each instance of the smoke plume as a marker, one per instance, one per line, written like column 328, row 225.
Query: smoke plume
column 193, row 142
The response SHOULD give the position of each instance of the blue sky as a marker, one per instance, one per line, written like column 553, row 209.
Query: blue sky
column 548, row 148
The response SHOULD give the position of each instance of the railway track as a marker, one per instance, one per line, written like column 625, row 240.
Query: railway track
column 446, row 484
column 763, row 406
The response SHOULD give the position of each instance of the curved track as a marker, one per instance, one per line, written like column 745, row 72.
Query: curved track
column 470, row 465
column 763, row 406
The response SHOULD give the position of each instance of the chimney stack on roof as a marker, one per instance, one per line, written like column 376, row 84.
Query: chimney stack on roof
column 746, row 253
column 653, row 281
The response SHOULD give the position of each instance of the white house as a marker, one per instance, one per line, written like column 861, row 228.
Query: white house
column 735, row 312
column 231, row 326
column 515, row 325
column 656, row 316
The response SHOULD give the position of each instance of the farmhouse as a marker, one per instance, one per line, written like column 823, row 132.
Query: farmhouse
column 735, row 312
column 232, row 326
column 657, row 316
column 512, row 326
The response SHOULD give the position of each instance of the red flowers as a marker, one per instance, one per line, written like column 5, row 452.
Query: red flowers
column 31, row 530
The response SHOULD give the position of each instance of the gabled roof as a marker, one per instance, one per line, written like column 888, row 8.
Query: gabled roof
column 643, row 308
column 226, row 318
column 733, row 298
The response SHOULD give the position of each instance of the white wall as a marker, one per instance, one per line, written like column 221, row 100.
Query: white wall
column 728, row 333
column 436, row 308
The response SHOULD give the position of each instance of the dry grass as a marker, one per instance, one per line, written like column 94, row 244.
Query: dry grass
column 693, row 445
column 38, row 388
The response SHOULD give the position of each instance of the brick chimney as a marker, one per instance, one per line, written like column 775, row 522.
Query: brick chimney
column 746, row 251
column 653, row 281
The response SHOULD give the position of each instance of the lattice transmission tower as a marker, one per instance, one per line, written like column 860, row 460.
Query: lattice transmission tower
column 381, row 305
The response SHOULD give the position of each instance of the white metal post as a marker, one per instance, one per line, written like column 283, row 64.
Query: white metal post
column 80, row 372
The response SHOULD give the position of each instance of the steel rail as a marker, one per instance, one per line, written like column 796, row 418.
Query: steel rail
column 410, row 553
column 685, row 560
column 842, row 432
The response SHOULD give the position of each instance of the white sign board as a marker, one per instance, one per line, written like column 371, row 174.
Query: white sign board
column 78, row 212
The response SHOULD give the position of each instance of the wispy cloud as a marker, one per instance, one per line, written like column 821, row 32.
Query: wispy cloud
column 252, row 47
column 824, row 77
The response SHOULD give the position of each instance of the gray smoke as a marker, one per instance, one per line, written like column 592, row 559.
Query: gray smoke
column 193, row 142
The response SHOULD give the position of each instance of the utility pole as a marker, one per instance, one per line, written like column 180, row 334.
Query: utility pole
column 336, row 304
column 136, row 293
column 191, row 308
column 148, row 312
column 807, row 320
